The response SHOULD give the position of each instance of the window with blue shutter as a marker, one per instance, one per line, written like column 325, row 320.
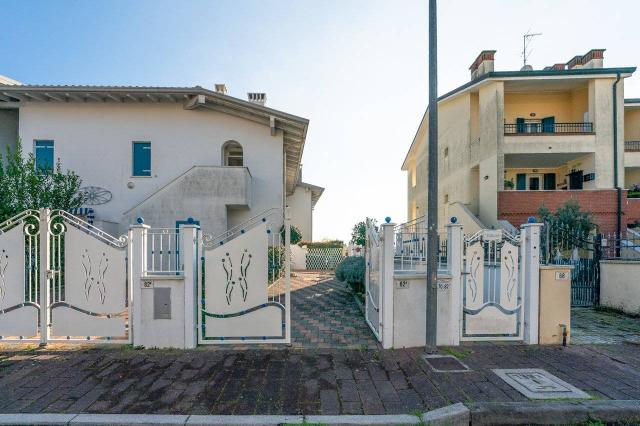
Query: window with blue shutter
column 44, row 155
column 142, row 159
column 521, row 182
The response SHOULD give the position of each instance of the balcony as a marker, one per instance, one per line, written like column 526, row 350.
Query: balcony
column 631, row 146
column 550, row 128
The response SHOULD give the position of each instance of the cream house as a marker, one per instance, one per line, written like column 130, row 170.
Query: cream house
column 511, row 141
column 164, row 153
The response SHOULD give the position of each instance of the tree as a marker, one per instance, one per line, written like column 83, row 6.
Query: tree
column 359, row 232
column 23, row 186
column 569, row 217
column 296, row 235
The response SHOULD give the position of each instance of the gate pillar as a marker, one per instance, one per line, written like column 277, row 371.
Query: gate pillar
column 387, row 266
column 137, row 265
column 530, row 261
column 454, row 268
column 189, row 254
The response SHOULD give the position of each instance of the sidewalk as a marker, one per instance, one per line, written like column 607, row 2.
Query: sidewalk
column 62, row 379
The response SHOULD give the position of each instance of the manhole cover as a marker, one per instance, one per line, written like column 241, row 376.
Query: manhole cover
column 445, row 364
column 535, row 383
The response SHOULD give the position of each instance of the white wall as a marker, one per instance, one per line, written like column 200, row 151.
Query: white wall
column 94, row 140
column 619, row 287
column 301, row 212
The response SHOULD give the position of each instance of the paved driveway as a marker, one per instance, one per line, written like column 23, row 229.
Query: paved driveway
column 325, row 315
column 590, row 326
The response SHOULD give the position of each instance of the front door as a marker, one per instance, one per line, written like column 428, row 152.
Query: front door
column 534, row 182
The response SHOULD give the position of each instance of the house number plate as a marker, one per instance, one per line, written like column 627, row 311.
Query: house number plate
column 562, row 276
column 146, row 284
column 402, row 284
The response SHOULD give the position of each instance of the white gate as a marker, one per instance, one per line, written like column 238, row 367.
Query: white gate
column 373, row 280
column 492, row 296
column 246, row 283
column 85, row 295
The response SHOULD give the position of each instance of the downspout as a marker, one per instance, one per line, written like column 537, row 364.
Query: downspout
column 615, row 159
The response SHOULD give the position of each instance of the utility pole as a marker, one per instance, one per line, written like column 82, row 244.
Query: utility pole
column 432, row 186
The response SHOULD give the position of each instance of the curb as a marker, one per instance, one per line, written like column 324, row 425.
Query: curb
column 554, row 412
column 452, row 415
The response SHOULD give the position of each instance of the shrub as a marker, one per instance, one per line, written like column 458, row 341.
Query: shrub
column 322, row 244
column 296, row 235
column 352, row 270
column 359, row 232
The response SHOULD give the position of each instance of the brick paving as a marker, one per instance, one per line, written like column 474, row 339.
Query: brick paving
column 334, row 366
column 325, row 315
column 590, row 326
column 291, row 381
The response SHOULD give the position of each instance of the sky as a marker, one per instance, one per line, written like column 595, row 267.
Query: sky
column 357, row 69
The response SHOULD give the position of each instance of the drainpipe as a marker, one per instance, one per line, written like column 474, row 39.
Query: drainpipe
column 615, row 159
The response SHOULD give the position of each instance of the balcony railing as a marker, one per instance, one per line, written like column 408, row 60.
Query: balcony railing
column 632, row 146
column 547, row 128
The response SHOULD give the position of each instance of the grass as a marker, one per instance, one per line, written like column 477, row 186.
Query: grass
column 460, row 354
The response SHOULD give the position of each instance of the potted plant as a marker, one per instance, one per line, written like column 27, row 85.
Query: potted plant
column 508, row 184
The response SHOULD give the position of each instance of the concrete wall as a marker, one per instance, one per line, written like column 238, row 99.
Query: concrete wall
column 301, row 212
column 8, row 129
column 94, row 140
column 205, row 193
column 555, row 303
column 566, row 107
column 619, row 288
column 632, row 124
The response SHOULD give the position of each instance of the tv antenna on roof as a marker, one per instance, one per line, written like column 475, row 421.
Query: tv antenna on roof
column 526, row 40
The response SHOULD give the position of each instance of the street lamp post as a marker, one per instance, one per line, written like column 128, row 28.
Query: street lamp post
column 432, row 186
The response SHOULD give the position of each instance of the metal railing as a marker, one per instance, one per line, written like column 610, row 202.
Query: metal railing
column 632, row 146
column 410, row 248
column 547, row 128
column 623, row 246
column 163, row 252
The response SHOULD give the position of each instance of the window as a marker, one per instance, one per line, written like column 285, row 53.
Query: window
column 141, row 159
column 414, row 178
column 232, row 154
column 44, row 155
column 549, row 181
column 521, row 182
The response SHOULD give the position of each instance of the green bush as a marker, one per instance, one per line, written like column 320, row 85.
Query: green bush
column 321, row 244
column 352, row 270
column 296, row 235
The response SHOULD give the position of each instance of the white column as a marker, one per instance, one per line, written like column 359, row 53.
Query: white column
column 189, row 236
column 137, row 267
column 454, row 262
column 45, row 274
column 530, row 263
column 386, row 291
column 287, row 273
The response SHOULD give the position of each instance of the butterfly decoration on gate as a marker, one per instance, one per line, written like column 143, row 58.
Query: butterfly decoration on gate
column 94, row 275
column 234, row 279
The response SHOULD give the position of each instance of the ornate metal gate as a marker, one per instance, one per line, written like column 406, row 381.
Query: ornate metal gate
column 62, row 279
column 246, row 281
column 373, row 281
column 492, row 292
column 565, row 245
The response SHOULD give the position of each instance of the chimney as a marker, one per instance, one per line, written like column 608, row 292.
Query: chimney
column 221, row 88
column 593, row 58
column 483, row 64
column 257, row 98
column 575, row 63
column 556, row 67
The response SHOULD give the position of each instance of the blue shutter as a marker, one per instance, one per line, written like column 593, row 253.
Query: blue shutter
column 521, row 182
column 142, row 159
column 44, row 155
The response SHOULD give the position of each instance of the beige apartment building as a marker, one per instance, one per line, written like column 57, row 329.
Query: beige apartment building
column 511, row 141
